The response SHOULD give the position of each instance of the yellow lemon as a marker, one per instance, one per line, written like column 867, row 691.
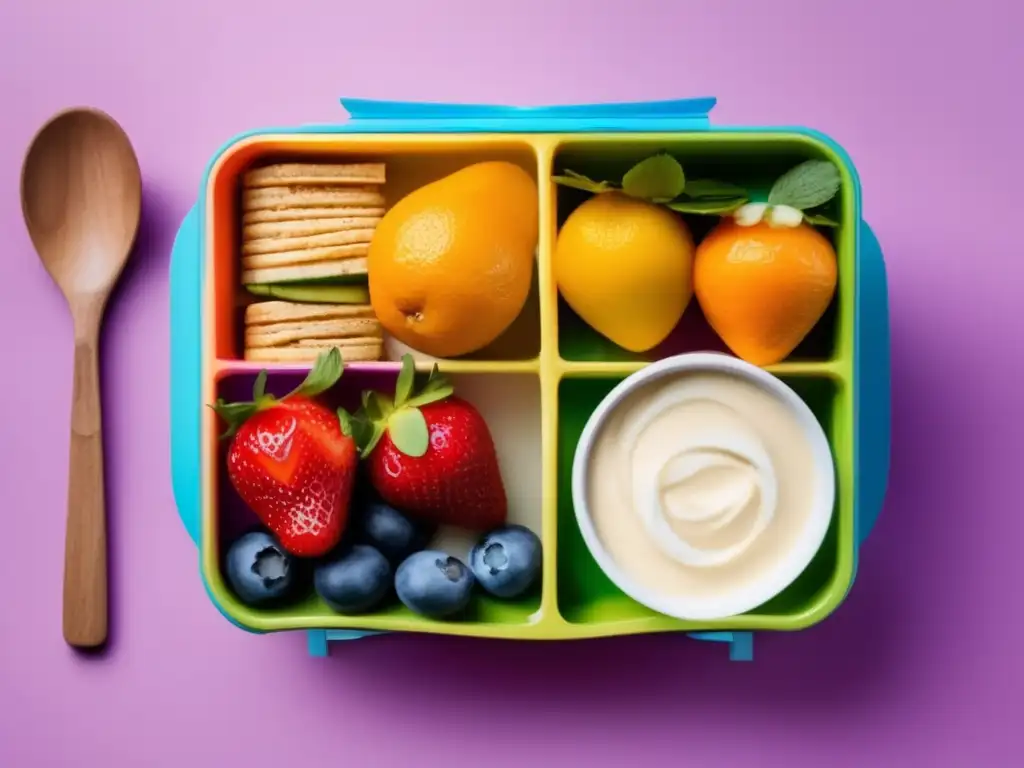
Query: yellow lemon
column 625, row 266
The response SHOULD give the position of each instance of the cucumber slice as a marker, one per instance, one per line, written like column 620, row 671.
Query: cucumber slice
column 356, row 279
column 313, row 294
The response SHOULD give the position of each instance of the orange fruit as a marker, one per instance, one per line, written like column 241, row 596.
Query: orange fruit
column 763, row 288
column 450, row 264
column 625, row 265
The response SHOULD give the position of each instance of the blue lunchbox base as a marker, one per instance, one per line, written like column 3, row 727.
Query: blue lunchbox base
column 872, row 345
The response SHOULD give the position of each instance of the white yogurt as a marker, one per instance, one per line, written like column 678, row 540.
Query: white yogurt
column 703, row 486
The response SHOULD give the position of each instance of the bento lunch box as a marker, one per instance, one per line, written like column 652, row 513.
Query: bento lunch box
column 540, row 382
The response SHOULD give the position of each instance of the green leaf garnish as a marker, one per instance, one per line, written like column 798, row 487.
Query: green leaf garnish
column 707, row 206
column 403, row 388
column 820, row 220
column 579, row 181
column 408, row 431
column 807, row 185
column 709, row 188
column 658, row 178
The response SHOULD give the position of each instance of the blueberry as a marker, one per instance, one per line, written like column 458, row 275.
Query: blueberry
column 434, row 584
column 506, row 562
column 353, row 580
column 259, row 571
column 391, row 532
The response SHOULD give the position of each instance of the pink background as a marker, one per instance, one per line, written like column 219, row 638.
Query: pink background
column 922, row 663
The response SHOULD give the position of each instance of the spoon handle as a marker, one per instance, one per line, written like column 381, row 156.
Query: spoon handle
column 85, row 548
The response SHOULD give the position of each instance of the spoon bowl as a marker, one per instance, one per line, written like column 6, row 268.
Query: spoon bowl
column 81, row 196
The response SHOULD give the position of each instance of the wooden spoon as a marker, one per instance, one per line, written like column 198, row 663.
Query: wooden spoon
column 81, row 195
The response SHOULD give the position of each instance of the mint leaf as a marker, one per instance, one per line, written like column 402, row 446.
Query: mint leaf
column 407, row 429
column 707, row 206
column 658, row 178
column 808, row 185
column 709, row 188
column 323, row 375
column 403, row 388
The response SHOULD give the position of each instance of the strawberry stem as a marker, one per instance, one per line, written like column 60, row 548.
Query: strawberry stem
column 322, row 376
column 399, row 416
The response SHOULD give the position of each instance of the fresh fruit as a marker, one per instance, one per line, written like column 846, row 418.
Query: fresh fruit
column 764, row 276
column 353, row 580
column 623, row 260
column 259, row 570
column 434, row 584
column 507, row 562
column 430, row 454
column 451, row 263
column 624, row 265
column 291, row 463
column 391, row 532
column 313, row 294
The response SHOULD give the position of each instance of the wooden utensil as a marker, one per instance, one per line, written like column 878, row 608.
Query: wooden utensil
column 81, row 195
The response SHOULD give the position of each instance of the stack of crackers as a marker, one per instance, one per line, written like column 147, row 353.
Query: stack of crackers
column 282, row 331
column 306, row 229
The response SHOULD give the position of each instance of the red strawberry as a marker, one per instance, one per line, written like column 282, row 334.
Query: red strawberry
column 430, row 455
column 290, row 462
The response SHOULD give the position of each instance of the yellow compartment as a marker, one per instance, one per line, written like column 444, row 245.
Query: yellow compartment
column 535, row 384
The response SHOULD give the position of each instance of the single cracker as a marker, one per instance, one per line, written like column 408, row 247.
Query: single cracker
column 341, row 268
column 350, row 353
column 268, row 312
column 313, row 174
column 353, row 341
column 283, row 334
column 284, row 230
column 310, row 214
column 309, row 197
column 308, row 242
column 328, row 253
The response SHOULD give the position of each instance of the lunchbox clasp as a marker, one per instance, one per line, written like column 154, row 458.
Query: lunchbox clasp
column 421, row 117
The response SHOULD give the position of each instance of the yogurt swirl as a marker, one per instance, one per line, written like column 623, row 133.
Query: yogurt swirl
column 706, row 492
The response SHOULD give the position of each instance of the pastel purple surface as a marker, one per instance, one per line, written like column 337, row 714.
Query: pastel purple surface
column 922, row 664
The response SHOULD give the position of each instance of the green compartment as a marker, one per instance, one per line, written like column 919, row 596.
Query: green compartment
column 751, row 160
column 587, row 596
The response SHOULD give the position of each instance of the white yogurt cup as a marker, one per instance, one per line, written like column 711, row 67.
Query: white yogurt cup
column 781, row 567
